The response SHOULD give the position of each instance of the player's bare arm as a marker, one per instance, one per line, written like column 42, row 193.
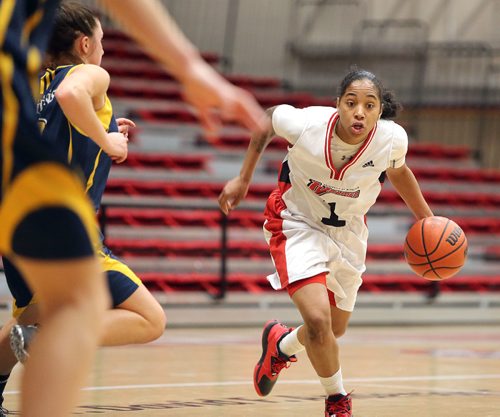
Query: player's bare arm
column 82, row 93
column 406, row 185
column 236, row 189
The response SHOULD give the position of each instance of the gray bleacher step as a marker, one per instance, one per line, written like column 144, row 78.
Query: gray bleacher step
column 382, row 231
column 265, row 266
column 221, row 170
column 397, row 308
column 379, row 209
column 217, row 161
column 183, row 234
column 387, row 209
column 198, row 265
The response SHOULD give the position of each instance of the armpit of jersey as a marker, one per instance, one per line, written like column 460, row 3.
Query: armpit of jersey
column 399, row 146
column 289, row 122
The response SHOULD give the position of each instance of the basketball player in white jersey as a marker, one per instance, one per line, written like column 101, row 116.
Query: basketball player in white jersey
column 315, row 220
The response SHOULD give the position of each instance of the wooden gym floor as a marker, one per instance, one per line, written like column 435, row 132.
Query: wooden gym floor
column 434, row 371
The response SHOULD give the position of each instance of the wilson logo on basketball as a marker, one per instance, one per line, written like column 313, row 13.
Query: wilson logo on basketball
column 452, row 239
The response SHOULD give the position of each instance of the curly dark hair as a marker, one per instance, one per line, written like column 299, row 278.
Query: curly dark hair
column 390, row 106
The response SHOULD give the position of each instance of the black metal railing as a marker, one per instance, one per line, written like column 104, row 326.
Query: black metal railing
column 192, row 204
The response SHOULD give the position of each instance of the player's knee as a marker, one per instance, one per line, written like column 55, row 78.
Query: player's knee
column 157, row 321
column 52, row 233
column 81, row 289
column 91, row 300
column 156, row 324
column 318, row 327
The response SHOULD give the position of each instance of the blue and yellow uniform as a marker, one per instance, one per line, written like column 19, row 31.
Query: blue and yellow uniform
column 44, row 213
column 84, row 153
column 78, row 148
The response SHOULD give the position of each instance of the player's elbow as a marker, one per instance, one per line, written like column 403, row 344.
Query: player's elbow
column 67, row 95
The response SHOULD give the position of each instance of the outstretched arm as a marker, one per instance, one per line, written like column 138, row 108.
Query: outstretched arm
column 236, row 189
column 215, row 99
column 406, row 185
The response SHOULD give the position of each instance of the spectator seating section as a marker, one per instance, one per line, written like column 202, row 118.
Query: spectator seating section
column 256, row 283
column 243, row 219
column 128, row 65
column 260, row 191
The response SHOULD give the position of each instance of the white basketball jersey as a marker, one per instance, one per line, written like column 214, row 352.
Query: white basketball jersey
column 309, row 183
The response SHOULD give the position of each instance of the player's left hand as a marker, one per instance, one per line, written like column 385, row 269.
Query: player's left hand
column 233, row 192
column 124, row 125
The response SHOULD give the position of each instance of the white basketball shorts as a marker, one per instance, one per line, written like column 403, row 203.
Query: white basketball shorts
column 301, row 249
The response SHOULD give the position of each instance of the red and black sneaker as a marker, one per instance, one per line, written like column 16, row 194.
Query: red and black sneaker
column 272, row 360
column 338, row 405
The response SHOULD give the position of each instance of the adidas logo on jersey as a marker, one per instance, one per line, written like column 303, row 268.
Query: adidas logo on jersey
column 368, row 164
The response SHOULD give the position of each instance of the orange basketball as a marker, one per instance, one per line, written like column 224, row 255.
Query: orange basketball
column 435, row 248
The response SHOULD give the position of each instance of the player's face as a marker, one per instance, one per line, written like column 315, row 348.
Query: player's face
column 359, row 110
column 96, row 51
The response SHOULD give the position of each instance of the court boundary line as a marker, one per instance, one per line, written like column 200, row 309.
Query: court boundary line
column 283, row 382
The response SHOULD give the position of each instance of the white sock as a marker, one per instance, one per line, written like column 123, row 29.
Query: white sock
column 290, row 344
column 333, row 384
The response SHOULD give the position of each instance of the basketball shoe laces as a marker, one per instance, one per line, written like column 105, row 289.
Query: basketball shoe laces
column 339, row 408
column 278, row 363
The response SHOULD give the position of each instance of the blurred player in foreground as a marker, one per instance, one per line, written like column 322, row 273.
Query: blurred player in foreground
column 73, row 91
column 48, row 227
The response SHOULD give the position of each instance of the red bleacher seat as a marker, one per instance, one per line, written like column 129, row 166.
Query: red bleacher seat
column 123, row 47
column 131, row 87
column 162, row 90
column 296, row 99
column 479, row 225
column 240, row 141
column 492, row 253
column 244, row 249
column 261, row 191
column 412, row 283
column 181, row 218
column 192, row 249
column 257, row 283
column 185, row 189
column 116, row 34
column 436, row 151
column 245, row 219
column 152, row 71
column 132, row 69
column 443, row 174
column 167, row 161
column 169, row 91
column 249, row 82
column 173, row 114
column 457, row 175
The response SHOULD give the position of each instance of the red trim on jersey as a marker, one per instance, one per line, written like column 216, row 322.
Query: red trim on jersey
column 277, row 243
column 340, row 175
column 328, row 143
